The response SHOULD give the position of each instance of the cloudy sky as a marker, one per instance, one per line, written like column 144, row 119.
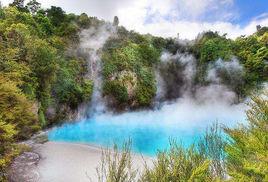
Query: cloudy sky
column 169, row 18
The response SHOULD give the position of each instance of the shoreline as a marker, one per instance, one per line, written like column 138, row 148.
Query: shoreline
column 66, row 162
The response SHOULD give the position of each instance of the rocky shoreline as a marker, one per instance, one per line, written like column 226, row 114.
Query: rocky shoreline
column 24, row 166
column 49, row 161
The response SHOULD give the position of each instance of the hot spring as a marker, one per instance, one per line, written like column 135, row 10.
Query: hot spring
column 149, row 131
column 184, row 120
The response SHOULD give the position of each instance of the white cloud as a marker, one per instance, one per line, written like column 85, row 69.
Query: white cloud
column 165, row 18
column 189, row 30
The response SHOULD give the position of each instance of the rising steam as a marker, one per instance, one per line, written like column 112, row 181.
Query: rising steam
column 185, row 109
column 92, row 41
column 177, row 73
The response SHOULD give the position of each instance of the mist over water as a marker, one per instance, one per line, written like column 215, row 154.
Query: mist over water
column 183, row 110
column 150, row 131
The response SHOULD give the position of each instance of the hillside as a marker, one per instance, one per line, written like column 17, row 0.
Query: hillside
column 52, row 62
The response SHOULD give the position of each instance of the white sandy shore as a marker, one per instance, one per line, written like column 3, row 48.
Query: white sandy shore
column 67, row 162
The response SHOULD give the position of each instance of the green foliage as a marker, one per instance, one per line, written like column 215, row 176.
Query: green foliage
column 117, row 90
column 146, row 87
column 247, row 151
column 116, row 166
column 41, row 117
column 87, row 89
column 69, row 88
column 135, row 59
column 83, row 20
column 16, row 109
column 43, row 64
column 7, row 134
column 251, row 52
column 203, row 162
column 56, row 15
column 242, row 158
column 214, row 49
column 44, row 24
column 178, row 164
column 32, row 57
column 35, row 72
column 212, row 146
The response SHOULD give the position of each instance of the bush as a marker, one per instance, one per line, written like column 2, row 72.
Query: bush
column 178, row 164
column 7, row 137
column 202, row 162
column 247, row 149
column 17, row 110
column 116, row 166
column 115, row 89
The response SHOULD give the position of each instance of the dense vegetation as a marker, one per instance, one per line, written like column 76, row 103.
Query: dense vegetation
column 243, row 157
column 44, row 75
column 128, row 70
column 130, row 59
column 39, row 82
column 251, row 51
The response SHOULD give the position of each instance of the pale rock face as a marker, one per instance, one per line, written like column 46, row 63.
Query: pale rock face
column 128, row 80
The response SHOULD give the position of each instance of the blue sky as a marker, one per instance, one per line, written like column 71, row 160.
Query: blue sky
column 250, row 9
column 169, row 18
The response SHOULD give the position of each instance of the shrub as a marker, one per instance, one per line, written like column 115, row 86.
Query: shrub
column 7, row 137
column 178, row 164
column 116, row 166
column 115, row 89
column 247, row 149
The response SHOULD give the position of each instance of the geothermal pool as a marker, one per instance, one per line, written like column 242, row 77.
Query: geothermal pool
column 150, row 131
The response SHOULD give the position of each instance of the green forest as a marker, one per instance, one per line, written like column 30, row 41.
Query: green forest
column 42, row 83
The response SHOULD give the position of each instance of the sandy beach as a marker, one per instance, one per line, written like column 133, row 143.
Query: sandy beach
column 68, row 162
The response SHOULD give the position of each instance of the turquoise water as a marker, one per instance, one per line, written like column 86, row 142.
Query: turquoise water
column 149, row 131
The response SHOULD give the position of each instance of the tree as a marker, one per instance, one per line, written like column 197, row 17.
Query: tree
column 42, row 58
column 19, row 4
column 68, row 89
column 116, row 21
column 247, row 151
column 33, row 6
column 56, row 15
column 83, row 20
column 16, row 109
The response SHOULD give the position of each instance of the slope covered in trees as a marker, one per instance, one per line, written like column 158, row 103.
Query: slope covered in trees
column 43, row 80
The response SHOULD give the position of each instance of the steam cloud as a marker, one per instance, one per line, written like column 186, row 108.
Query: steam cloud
column 92, row 41
column 181, row 102
column 176, row 79
column 195, row 106
column 185, row 109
